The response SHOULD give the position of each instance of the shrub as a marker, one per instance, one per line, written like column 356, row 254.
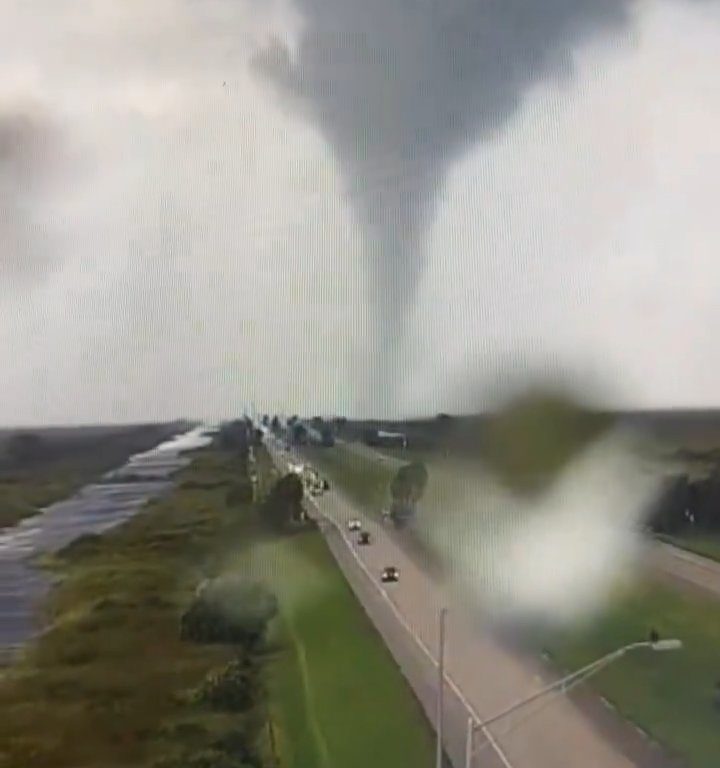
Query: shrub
column 234, row 688
column 229, row 611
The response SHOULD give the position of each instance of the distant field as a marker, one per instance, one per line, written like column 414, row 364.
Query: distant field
column 694, row 429
column 62, row 459
column 668, row 695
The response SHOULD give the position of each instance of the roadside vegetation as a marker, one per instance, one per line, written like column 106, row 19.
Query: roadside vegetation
column 210, row 631
column 38, row 468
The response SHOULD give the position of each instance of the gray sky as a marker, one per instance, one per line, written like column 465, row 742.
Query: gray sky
column 209, row 203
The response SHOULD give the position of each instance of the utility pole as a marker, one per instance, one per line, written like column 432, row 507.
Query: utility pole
column 439, row 715
column 469, row 738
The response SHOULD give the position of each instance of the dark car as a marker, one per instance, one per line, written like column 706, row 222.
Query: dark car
column 390, row 573
column 364, row 538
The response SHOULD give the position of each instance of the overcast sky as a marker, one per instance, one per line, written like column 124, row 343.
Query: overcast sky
column 208, row 204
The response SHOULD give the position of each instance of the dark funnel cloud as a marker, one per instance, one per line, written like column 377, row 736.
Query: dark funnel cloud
column 28, row 154
column 402, row 88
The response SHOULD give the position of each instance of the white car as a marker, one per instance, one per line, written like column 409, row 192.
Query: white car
column 354, row 525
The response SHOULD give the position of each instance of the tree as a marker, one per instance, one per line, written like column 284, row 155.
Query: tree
column 25, row 448
column 275, row 424
column 284, row 502
column 230, row 610
column 299, row 434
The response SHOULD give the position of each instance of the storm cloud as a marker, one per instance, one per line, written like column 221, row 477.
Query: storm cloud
column 403, row 88
column 464, row 187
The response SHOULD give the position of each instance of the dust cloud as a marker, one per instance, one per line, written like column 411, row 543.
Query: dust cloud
column 551, row 559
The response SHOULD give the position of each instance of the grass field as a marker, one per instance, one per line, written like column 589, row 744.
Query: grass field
column 338, row 694
column 365, row 481
column 668, row 695
column 107, row 685
column 704, row 545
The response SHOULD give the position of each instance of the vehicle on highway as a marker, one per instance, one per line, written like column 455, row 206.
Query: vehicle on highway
column 364, row 538
column 354, row 525
column 390, row 574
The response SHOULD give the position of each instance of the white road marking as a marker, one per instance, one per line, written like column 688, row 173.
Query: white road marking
column 398, row 615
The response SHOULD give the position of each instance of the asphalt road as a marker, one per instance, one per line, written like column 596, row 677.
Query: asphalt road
column 686, row 567
column 483, row 677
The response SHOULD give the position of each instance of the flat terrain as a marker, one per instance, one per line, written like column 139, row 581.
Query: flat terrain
column 109, row 684
column 55, row 462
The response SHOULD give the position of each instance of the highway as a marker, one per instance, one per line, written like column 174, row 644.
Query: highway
column 671, row 562
column 483, row 677
column 685, row 567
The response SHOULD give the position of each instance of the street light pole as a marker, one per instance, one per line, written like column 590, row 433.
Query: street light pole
column 469, row 738
column 567, row 682
column 440, row 701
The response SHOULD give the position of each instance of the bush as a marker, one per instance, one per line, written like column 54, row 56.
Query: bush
column 234, row 688
column 229, row 611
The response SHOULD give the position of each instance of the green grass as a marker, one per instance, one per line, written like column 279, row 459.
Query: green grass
column 363, row 479
column 668, row 695
column 339, row 697
column 705, row 545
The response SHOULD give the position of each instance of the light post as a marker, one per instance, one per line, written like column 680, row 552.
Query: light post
column 440, row 702
column 565, row 683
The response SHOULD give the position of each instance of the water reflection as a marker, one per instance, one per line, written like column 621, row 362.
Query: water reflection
column 94, row 509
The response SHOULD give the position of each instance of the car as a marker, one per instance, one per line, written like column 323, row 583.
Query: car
column 354, row 525
column 390, row 574
column 364, row 538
